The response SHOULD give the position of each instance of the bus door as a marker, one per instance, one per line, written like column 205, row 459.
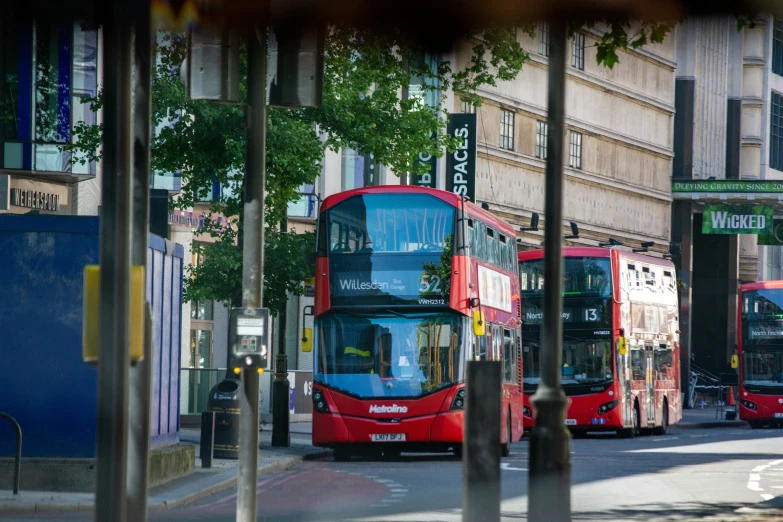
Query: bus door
column 649, row 356
column 624, row 378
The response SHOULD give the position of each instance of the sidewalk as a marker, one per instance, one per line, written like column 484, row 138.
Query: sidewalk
column 185, row 490
column 707, row 418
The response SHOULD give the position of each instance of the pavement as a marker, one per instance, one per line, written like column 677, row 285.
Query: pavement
column 185, row 490
column 708, row 417
column 728, row 474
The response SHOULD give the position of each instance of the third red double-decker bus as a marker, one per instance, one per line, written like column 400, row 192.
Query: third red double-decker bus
column 411, row 283
column 760, row 353
column 620, row 361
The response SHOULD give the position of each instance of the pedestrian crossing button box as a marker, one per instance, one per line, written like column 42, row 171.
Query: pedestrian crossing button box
column 249, row 332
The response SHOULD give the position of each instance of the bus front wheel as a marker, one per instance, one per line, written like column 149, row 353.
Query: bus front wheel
column 629, row 433
column 505, row 448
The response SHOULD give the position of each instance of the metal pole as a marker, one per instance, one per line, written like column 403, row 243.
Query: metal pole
column 252, row 265
column 481, row 452
column 550, row 470
column 141, row 373
column 115, row 257
column 281, row 435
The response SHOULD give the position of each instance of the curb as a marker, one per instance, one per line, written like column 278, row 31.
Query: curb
column 71, row 507
column 710, row 424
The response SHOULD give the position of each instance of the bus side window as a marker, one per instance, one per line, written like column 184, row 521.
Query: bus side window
column 471, row 239
column 509, row 358
column 637, row 364
column 504, row 253
column 479, row 239
column 490, row 246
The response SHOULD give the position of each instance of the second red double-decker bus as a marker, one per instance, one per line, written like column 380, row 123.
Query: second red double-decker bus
column 620, row 361
column 760, row 353
column 406, row 277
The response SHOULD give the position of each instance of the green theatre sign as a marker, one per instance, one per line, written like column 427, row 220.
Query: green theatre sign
column 729, row 185
column 776, row 237
column 737, row 219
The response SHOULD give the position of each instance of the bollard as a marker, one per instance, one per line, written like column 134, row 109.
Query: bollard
column 481, row 443
column 207, row 438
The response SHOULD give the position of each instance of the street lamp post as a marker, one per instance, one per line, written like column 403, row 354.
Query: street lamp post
column 252, row 265
column 549, row 491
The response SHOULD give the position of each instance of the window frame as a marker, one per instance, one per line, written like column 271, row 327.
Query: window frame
column 507, row 118
column 542, row 139
column 578, row 51
column 543, row 39
column 776, row 131
column 575, row 150
column 777, row 46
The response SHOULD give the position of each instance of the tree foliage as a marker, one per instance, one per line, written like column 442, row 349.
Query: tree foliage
column 364, row 74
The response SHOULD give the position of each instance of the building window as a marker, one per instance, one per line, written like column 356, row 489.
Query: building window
column 777, row 47
column 578, row 51
column 542, row 130
column 776, row 132
column 359, row 170
column 575, row 156
column 543, row 39
column 466, row 108
column 506, row 129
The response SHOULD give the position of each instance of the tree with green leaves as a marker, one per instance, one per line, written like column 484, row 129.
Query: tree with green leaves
column 362, row 109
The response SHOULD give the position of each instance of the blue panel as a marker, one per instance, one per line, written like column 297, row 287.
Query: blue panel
column 24, row 116
column 165, row 345
column 176, row 341
column 64, row 46
column 42, row 259
column 46, row 385
column 157, row 308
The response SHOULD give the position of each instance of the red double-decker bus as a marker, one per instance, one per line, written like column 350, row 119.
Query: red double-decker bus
column 620, row 366
column 411, row 284
column 760, row 353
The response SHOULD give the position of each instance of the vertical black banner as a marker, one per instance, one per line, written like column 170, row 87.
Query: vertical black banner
column 461, row 165
column 428, row 179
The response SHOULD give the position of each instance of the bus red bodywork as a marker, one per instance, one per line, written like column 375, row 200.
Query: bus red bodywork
column 430, row 422
column 638, row 387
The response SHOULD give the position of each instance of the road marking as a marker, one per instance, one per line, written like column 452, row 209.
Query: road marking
column 507, row 466
column 754, row 478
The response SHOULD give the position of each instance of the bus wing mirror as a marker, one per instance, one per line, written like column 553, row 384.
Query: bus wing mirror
column 478, row 323
column 622, row 346
column 307, row 340
column 735, row 362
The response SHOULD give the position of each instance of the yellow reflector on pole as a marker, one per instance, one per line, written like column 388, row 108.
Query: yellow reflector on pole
column 92, row 305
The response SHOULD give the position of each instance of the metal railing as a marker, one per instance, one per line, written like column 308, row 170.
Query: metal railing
column 196, row 383
column 18, row 458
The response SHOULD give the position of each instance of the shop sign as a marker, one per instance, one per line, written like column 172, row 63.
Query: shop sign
column 729, row 185
column 461, row 164
column 737, row 219
column 35, row 200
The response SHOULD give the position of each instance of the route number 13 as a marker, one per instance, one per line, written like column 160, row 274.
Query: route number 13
column 591, row 314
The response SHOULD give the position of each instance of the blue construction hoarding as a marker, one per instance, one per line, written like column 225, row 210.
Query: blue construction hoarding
column 45, row 384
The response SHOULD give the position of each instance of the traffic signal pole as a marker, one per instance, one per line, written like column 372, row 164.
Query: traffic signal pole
column 141, row 372
column 252, row 264
column 549, row 491
column 115, row 269
column 281, row 436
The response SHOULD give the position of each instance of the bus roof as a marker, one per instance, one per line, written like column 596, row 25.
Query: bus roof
column 597, row 252
column 761, row 285
column 444, row 195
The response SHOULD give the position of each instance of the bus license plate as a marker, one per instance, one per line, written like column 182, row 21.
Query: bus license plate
column 779, row 415
column 388, row 437
column 570, row 422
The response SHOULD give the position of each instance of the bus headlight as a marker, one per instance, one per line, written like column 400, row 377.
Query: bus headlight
column 459, row 400
column 319, row 401
column 526, row 411
column 749, row 405
column 606, row 407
